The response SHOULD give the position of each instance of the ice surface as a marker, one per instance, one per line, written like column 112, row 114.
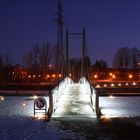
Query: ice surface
column 120, row 106
column 16, row 122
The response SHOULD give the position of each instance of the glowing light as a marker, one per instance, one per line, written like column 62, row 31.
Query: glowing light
column 112, row 85
column 2, row 98
column 70, row 74
column 105, row 85
column 134, row 84
column 111, row 97
column 35, row 97
column 39, row 75
column 29, row 76
column 48, row 76
column 60, row 75
column 53, row 75
column 130, row 76
column 50, row 66
column 64, row 103
column 110, row 74
column 34, row 76
column 106, row 116
column 98, row 86
column 119, row 84
column 24, row 104
column 113, row 76
column 95, row 76
column 126, row 84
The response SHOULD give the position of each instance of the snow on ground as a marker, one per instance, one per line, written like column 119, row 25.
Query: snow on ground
column 17, row 123
column 120, row 106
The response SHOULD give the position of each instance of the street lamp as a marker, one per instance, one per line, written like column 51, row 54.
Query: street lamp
column 130, row 76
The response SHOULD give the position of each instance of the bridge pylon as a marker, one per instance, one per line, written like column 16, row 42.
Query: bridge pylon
column 83, row 56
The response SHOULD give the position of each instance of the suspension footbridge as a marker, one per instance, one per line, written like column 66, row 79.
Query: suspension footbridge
column 75, row 102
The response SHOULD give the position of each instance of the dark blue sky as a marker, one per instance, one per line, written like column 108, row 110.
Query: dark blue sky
column 109, row 24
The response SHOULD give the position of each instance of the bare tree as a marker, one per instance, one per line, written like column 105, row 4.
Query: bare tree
column 4, row 60
column 122, row 58
column 100, row 65
column 38, row 59
column 134, row 57
column 32, row 60
column 6, row 67
column 45, row 57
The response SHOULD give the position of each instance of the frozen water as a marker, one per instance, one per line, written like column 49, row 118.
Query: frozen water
column 120, row 106
column 16, row 122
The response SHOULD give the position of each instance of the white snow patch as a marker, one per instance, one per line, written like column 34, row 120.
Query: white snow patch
column 16, row 122
column 120, row 106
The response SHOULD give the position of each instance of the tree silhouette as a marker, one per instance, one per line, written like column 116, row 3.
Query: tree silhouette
column 38, row 59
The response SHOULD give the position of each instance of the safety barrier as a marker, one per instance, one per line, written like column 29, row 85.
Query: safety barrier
column 94, row 97
column 57, row 92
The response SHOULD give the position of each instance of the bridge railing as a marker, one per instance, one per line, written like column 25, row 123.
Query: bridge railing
column 94, row 97
column 57, row 93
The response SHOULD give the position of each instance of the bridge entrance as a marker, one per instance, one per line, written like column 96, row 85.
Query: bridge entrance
column 75, row 102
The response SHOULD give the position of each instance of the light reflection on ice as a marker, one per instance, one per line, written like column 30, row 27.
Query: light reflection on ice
column 120, row 106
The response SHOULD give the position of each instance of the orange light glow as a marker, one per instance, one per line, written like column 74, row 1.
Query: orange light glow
column 53, row 75
column 98, row 86
column 130, row 76
column 95, row 76
column 110, row 74
column 113, row 76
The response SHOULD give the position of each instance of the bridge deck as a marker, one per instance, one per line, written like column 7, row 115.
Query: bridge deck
column 74, row 103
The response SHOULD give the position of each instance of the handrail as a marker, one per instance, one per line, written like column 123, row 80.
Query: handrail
column 58, row 91
column 92, row 94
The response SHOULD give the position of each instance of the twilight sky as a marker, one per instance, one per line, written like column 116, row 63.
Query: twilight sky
column 109, row 24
